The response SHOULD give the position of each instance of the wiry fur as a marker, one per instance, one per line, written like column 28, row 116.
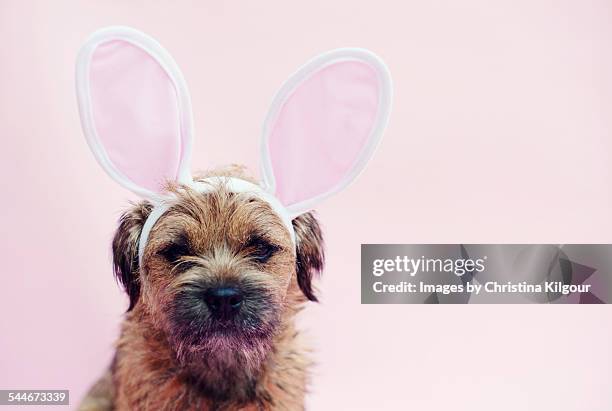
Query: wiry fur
column 171, row 355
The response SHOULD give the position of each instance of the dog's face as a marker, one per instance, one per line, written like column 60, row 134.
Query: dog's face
column 217, row 272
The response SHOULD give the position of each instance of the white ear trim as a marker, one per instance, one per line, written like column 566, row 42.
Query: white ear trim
column 301, row 75
column 163, row 58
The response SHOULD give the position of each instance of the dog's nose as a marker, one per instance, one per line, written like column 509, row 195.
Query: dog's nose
column 224, row 302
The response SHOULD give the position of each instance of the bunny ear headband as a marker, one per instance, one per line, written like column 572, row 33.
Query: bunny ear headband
column 322, row 128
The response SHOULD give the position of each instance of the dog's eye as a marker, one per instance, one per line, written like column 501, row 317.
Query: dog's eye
column 176, row 249
column 260, row 250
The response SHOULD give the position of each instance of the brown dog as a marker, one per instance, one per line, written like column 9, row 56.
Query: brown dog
column 211, row 317
column 217, row 267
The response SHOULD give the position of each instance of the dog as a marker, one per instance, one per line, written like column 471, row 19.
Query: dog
column 217, row 267
column 211, row 317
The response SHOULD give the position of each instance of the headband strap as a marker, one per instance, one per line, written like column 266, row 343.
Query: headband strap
column 208, row 185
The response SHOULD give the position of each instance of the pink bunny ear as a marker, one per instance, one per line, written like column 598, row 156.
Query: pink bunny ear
column 135, row 110
column 324, row 125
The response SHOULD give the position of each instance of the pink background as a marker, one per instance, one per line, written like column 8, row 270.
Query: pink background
column 501, row 132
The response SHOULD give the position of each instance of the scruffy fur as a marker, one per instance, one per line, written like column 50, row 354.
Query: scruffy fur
column 171, row 354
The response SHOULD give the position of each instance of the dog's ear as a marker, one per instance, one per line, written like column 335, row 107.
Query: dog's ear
column 125, row 249
column 310, row 255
